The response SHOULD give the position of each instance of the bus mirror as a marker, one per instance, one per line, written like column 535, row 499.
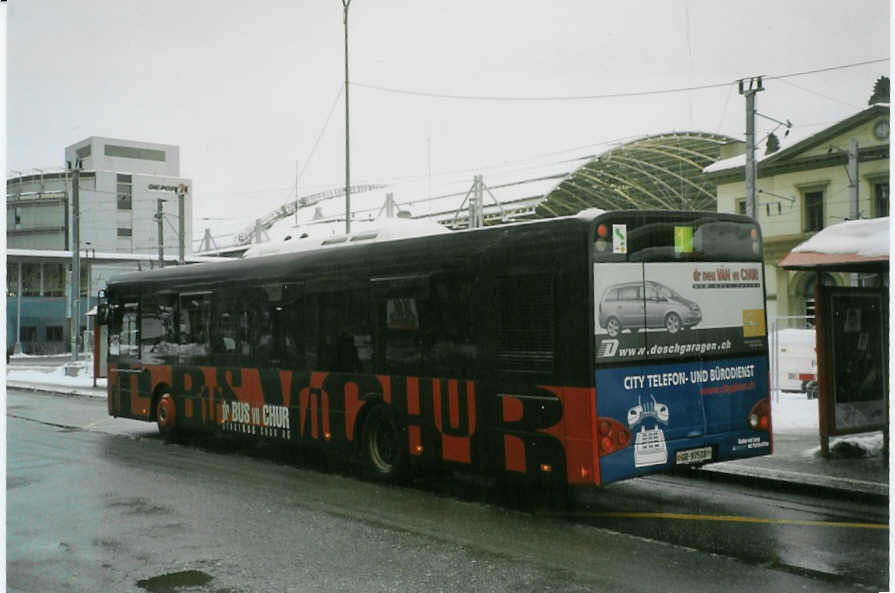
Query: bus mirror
column 102, row 313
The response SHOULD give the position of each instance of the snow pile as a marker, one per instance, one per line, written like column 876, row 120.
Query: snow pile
column 793, row 412
column 852, row 446
column 55, row 377
column 868, row 238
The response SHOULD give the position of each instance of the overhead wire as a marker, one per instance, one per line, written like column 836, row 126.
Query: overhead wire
column 617, row 95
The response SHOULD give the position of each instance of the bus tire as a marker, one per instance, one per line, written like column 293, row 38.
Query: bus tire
column 383, row 446
column 673, row 323
column 166, row 414
column 613, row 326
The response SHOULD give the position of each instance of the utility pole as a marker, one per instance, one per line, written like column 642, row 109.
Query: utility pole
column 476, row 204
column 854, row 211
column 181, row 223
column 75, row 263
column 345, row 4
column 159, row 217
column 749, row 87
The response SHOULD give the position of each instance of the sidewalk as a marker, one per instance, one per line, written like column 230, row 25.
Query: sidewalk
column 857, row 466
column 796, row 463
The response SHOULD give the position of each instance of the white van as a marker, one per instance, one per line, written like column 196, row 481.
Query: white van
column 794, row 349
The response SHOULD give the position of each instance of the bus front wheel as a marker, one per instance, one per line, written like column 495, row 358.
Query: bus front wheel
column 384, row 447
column 166, row 414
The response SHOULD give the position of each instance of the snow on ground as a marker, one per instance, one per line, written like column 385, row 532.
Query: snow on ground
column 851, row 446
column 793, row 412
column 56, row 376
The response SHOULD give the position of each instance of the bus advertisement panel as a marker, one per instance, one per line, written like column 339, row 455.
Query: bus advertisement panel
column 674, row 310
column 682, row 414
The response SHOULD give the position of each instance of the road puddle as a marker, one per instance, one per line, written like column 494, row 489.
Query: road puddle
column 171, row 582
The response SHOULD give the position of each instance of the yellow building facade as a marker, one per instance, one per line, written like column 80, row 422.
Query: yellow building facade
column 803, row 187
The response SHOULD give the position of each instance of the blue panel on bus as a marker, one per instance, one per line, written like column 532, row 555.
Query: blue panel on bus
column 672, row 407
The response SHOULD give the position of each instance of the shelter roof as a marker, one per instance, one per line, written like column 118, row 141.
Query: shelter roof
column 855, row 245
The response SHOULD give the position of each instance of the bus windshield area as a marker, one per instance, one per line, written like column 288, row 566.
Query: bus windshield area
column 670, row 237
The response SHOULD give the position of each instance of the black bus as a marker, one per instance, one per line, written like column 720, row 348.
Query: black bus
column 580, row 350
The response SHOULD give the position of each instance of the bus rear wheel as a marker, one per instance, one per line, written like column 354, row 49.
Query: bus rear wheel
column 166, row 414
column 383, row 445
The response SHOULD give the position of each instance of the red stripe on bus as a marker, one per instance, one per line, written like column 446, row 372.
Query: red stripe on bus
column 514, row 453
column 413, row 396
column 415, row 440
column 455, row 448
column 511, row 408
column 453, row 403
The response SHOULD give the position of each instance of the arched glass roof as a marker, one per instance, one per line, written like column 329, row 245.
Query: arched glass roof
column 656, row 172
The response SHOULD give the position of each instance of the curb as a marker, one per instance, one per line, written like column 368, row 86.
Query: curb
column 798, row 482
column 55, row 389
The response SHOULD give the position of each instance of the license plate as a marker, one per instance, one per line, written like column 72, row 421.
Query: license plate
column 688, row 456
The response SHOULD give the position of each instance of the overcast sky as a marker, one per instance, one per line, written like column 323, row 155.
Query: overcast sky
column 245, row 88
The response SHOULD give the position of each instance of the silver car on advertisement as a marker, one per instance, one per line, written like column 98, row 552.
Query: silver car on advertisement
column 636, row 305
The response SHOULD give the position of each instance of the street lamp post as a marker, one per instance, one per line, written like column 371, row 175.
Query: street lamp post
column 345, row 4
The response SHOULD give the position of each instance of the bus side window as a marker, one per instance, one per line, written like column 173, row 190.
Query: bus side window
column 125, row 341
column 346, row 343
column 526, row 317
column 157, row 329
column 195, row 326
column 449, row 326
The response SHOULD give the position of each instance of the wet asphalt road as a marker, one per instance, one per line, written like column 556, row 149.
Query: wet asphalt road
column 102, row 504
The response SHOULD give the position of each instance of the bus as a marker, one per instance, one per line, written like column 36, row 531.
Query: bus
column 578, row 351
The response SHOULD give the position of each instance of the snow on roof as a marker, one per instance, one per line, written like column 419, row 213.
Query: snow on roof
column 286, row 237
column 866, row 238
column 522, row 183
column 797, row 134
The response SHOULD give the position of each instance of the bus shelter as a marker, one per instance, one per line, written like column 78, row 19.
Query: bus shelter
column 852, row 326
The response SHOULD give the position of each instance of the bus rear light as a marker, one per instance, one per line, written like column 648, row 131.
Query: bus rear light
column 546, row 468
column 613, row 436
column 760, row 416
column 602, row 231
column 419, row 448
column 584, row 472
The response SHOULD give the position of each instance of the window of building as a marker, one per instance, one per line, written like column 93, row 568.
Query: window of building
column 124, row 232
column 131, row 152
column 29, row 334
column 83, row 152
column 54, row 333
column 12, row 279
column 741, row 206
column 54, row 280
column 30, row 279
column 124, row 188
column 814, row 211
column 881, row 199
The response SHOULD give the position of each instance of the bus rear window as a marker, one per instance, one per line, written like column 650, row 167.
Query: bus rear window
column 671, row 237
